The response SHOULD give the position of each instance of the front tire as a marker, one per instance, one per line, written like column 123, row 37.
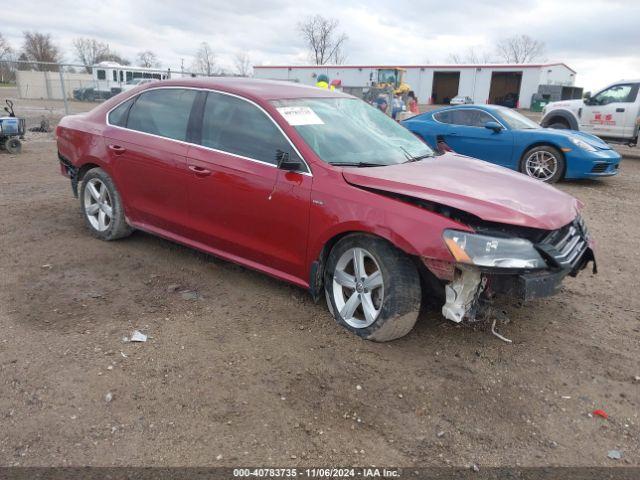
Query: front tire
column 372, row 288
column 559, row 126
column 543, row 163
column 102, row 207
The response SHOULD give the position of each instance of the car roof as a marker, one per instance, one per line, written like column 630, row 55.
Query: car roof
column 490, row 108
column 256, row 88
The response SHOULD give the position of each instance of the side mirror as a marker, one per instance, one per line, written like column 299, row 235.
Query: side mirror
column 285, row 162
column 495, row 126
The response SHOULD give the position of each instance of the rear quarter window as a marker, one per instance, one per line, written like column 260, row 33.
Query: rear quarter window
column 118, row 116
column 442, row 117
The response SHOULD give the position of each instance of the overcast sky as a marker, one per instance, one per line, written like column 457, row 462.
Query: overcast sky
column 599, row 39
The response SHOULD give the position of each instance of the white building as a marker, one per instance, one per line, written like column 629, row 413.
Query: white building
column 512, row 85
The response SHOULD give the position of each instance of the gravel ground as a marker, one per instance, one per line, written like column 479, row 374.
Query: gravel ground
column 242, row 369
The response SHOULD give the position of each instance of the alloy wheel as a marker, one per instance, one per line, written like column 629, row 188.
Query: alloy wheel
column 358, row 288
column 97, row 204
column 541, row 165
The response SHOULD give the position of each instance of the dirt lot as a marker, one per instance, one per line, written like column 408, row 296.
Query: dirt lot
column 252, row 372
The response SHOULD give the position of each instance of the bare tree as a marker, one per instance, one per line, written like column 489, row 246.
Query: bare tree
column 205, row 60
column 471, row 57
column 324, row 41
column 520, row 49
column 5, row 48
column 89, row 51
column 340, row 56
column 7, row 70
column 38, row 47
column 242, row 63
column 148, row 59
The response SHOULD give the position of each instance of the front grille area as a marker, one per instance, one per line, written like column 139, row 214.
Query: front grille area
column 567, row 245
column 600, row 168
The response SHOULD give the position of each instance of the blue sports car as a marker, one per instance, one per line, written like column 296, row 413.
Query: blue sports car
column 505, row 137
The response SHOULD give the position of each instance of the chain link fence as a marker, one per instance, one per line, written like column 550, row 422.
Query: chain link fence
column 45, row 91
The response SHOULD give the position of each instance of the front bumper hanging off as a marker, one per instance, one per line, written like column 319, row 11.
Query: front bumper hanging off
column 567, row 251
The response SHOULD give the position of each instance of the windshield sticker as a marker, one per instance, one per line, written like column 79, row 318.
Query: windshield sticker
column 297, row 116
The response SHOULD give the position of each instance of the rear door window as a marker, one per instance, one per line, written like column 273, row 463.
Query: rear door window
column 236, row 126
column 164, row 112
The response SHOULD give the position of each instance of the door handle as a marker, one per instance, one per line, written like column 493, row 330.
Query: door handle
column 117, row 149
column 199, row 171
column 619, row 110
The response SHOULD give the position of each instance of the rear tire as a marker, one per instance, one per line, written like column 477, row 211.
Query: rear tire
column 102, row 207
column 381, row 300
column 13, row 146
column 543, row 163
column 559, row 126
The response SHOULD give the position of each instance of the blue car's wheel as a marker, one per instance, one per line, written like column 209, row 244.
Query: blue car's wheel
column 543, row 163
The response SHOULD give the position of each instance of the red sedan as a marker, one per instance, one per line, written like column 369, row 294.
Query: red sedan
column 319, row 189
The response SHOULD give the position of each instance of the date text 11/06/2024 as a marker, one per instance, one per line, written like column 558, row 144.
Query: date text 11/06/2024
column 317, row 472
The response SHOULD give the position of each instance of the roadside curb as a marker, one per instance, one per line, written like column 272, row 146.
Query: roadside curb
column 628, row 152
column 634, row 155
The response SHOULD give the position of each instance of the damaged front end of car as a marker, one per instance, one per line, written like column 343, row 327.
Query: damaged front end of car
column 518, row 262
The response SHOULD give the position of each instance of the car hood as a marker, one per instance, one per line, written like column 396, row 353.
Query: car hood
column 490, row 192
column 565, row 104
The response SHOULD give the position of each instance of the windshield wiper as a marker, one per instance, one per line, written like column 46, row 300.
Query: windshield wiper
column 357, row 164
column 411, row 158
column 419, row 157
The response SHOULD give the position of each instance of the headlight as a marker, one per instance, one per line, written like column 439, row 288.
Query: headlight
column 582, row 144
column 485, row 251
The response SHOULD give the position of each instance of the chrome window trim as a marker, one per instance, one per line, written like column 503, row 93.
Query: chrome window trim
column 201, row 89
column 433, row 115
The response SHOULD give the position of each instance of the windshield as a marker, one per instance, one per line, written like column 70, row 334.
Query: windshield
column 349, row 131
column 516, row 121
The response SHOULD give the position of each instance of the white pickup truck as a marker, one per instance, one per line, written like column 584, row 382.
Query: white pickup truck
column 613, row 113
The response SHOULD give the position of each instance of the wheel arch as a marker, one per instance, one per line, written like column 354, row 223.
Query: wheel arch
column 82, row 171
column 565, row 116
column 319, row 259
column 83, row 168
